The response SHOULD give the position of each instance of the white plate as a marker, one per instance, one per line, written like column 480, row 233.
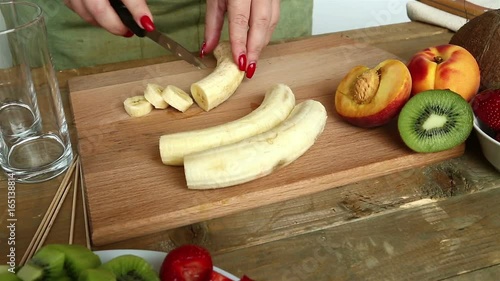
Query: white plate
column 153, row 257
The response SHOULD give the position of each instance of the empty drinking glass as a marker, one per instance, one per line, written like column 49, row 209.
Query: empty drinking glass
column 34, row 140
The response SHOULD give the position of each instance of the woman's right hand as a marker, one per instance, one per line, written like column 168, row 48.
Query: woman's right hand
column 100, row 13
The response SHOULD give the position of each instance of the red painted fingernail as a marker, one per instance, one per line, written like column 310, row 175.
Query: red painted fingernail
column 147, row 23
column 251, row 70
column 242, row 62
column 202, row 50
column 128, row 34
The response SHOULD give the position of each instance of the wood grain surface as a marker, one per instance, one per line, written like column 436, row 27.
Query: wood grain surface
column 131, row 193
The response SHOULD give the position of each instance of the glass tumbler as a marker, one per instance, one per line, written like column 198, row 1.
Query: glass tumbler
column 35, row 144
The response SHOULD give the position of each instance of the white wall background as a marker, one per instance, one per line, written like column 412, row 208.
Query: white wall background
column 339, row 15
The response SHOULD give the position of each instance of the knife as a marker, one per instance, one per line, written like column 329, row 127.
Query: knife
column 459, row 8
column 158, row 37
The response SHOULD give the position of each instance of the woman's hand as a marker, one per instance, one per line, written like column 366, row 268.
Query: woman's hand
column 251, row 25
column 100, row 12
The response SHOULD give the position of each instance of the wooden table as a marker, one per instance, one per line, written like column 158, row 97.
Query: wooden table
column 439, row 222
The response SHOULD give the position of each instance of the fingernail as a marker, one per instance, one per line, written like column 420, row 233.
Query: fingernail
column 202, row 50
column 128, row 34
column 242, row 62
column 251, row 70
column 147, row 23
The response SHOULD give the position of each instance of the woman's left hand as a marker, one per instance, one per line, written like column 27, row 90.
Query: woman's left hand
column 251, row 25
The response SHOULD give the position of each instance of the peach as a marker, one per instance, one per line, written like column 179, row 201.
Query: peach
column 445, row 67
column 372, row 97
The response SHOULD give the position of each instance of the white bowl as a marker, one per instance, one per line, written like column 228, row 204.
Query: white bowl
column 489, row 146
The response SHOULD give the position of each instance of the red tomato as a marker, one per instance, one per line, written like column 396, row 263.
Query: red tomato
column 187, row 263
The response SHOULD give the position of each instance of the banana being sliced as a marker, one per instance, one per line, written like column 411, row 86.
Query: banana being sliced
column 278, row 102
column 259, row 155
column 177, row 98
column 152, row 93
column 137, row 106
column 219, row 85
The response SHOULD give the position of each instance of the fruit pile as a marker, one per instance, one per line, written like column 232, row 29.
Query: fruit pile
column 430, row 97
column 60, row 262
column 481, row 37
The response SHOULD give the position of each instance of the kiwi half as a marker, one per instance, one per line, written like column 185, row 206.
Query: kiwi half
column 435, row 120
column 131, row 268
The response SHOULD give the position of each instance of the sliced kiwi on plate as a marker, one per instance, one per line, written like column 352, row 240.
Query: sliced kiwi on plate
column 46, row 264
column 435, row 120
column 58, row 262
column 130, row 268
column 77, row 258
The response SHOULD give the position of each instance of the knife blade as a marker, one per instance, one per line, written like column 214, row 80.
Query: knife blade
column 158, row 37
column 171, row 45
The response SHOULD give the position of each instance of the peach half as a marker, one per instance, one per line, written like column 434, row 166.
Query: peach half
column 445, row 67
column 371, row 97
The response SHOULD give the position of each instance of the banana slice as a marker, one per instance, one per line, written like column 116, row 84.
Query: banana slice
column 177, row 98
column 152, row 93
column 259, row 155
column 137, row 106
column 276, row 106
column 219, row 85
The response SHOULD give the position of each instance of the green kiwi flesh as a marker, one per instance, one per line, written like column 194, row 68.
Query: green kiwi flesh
column 77, row 258
column 97, row 274
column 131, row 267
column 435, row 120
column 46, row 264
column 9, row 276
column 63, row 278
column 31, row 272
column 4, row 268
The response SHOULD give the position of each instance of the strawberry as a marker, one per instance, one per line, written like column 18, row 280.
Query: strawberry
column 486, row 107
column 187, row 263
column 245, row 278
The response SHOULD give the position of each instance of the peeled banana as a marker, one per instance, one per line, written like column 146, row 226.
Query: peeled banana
column 259, row 155
column 219, row 85
column 177, row 98
column 137, row 106
column 278, row 102
column 152, row 93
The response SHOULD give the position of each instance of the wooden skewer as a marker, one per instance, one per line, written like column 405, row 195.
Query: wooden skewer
column 43, row 224
column 36, row 238
column 53, row 218
column 73, row 206
column 85, row 215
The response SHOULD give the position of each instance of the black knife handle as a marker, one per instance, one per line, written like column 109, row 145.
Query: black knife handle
column 127, row 17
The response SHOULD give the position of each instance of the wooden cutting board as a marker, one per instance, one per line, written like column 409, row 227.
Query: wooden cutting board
column 131, row 193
